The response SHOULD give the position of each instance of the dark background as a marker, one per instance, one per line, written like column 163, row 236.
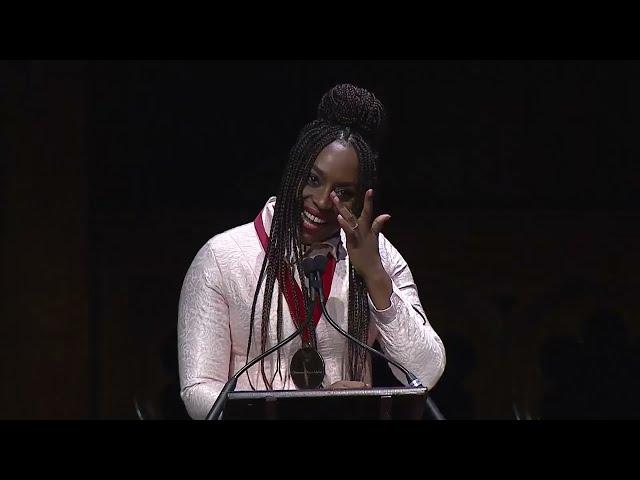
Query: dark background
column 513, row 188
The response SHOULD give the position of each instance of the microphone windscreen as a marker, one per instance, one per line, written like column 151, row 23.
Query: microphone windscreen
column 308, row 265
column 320, row 262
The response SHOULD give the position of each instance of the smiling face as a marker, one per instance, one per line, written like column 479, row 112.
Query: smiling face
column 335, row 169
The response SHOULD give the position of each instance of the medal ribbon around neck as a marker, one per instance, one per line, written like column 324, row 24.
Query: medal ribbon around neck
column 291, row 289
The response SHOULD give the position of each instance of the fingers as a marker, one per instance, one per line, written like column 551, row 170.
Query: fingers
column 352, row 221
column 349, row 229
column 379, row 223
column 351, row 224
column 367, row 209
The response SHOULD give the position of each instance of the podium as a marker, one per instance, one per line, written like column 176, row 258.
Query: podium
column 349, row 404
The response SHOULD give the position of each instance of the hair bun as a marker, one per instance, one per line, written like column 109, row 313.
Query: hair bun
column 352, row 107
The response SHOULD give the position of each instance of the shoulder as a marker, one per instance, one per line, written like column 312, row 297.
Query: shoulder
column 386, row 248
column 389, row 254
column 234, row 240
column 223, row 252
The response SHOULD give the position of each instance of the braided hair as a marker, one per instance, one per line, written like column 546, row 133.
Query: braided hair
column 351, row 115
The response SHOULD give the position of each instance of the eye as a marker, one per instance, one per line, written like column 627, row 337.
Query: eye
column 313, row 180
column 344, row 195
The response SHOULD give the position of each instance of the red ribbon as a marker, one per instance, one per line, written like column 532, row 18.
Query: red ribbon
column 292, row 292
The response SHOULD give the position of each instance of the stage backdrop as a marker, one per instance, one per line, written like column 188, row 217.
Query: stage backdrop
column 512, row 186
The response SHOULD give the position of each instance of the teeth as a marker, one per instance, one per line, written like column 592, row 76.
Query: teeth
column 313, row 218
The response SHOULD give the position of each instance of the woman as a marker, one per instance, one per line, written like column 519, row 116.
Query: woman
column 243, row 292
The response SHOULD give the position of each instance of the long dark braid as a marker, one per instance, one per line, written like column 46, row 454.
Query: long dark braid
column 345, row 113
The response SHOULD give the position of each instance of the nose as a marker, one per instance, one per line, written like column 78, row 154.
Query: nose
column 322, row 199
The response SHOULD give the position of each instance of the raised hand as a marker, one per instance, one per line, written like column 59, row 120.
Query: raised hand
column 362, row 235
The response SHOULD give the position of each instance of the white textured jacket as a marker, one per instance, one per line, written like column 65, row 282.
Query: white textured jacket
column 215, row 310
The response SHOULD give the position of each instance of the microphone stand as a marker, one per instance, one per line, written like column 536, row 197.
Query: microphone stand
column 313, row 272
column 218, row 406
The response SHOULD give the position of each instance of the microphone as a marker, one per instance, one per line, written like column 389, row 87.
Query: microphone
column 313, row 269
column 218, row 406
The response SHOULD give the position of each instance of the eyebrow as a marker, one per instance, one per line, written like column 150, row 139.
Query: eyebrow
column 324, row 175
